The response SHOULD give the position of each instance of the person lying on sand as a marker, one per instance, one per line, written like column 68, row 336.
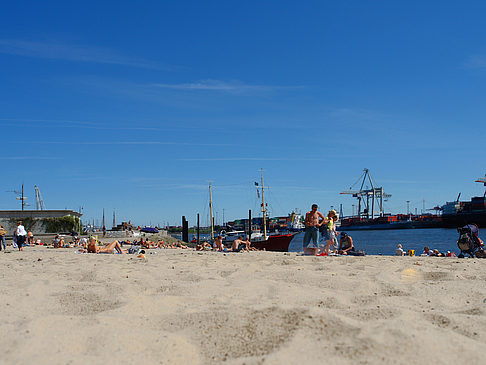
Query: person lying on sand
column 180, row 245
column 427, row 251
column 437, row 253
column 148, row 244
column 205, row 246
column 109, row 248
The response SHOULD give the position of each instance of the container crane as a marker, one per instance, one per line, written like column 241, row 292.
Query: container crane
column 39, row 203
column 368, row 196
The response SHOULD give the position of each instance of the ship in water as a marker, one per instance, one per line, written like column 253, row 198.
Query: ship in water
column 371, row 214
column 459, row 213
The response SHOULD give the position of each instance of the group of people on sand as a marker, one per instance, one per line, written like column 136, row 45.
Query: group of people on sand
column 240, row 244
column 148, row 244
column 20, row 237
column 317, row 224
column 436, row 253
column 116, row 246
column 427, row 252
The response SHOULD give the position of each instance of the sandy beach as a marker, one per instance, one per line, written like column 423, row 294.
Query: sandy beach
column 187, row 307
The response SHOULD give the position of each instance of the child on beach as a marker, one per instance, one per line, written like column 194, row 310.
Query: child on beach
column 330, row 230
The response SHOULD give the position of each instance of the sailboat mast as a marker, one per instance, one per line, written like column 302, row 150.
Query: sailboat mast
column 264, row 211
column 211, row 210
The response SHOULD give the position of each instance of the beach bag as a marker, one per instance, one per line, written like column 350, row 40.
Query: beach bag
column 3, row 232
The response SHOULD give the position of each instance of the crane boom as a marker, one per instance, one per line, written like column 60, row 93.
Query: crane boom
column 39, row 203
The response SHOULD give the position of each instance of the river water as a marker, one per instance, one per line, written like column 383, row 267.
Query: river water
column 384, row 242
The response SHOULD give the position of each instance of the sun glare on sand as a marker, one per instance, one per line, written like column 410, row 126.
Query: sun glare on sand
column 410, row 275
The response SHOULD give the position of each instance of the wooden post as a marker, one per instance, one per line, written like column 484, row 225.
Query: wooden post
column 198, row 228
column 249, row 225
column 185, row 230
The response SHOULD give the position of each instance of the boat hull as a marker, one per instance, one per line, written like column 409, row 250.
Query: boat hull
column 461, row 219
column 279, row 243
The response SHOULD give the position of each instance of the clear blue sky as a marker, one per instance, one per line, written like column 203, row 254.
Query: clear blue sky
column 137, row 105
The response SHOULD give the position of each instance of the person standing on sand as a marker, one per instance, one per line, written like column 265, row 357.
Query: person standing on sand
column 313, row 220
column 3, row 232
column 30, row 238
column 330, row 232
column 21, row 234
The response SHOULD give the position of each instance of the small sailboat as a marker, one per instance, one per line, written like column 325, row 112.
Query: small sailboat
column 259, row 240
column 274, row 242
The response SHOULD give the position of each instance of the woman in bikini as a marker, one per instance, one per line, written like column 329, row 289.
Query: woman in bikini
column 109, row 248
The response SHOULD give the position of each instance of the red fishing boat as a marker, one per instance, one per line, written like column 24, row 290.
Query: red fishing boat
column 278, row 242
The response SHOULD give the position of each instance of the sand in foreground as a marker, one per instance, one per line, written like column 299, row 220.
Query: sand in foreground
column 185, row 307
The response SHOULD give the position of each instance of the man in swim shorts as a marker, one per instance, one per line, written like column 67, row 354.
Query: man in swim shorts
column 313, row 220
column 238, row 244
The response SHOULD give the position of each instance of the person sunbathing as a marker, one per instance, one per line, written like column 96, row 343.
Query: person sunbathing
column 109, row 248
column 148, row 244
column 180, row 245
column 205, row 246
column 427, row 251
column 437, row 253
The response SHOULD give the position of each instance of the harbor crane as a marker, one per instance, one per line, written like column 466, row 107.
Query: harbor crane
column 39, row 203
column 369, row 197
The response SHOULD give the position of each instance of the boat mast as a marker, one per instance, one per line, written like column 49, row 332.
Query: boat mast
column 211, row 210
column 264, row 211
column 483, row 181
